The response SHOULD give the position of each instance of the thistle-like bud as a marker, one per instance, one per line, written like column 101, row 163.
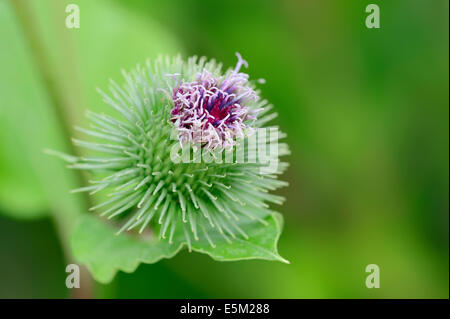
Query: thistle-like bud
column 228, row 164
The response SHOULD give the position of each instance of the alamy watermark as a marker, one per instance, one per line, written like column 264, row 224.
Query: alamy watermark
column 73, row 17
column 73, row 278
column 260, row 148
column 373, row 279
column 373, row 19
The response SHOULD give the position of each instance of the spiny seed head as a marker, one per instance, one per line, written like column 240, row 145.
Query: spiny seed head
column 133, row 153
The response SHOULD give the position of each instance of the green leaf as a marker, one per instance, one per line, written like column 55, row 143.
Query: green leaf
column 95, row 244
column 262, row 243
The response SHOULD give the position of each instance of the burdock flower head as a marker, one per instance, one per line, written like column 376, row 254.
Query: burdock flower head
column 198, row 203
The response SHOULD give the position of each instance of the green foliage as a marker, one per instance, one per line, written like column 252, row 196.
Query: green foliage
column 95, row 244
column 27, row 125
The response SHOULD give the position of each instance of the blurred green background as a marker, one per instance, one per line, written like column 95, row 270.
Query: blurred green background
column 366, row 112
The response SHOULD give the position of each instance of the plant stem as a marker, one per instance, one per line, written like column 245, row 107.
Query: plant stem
column 60, row 106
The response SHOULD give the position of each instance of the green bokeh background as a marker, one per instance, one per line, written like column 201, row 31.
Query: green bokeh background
column 366, row 112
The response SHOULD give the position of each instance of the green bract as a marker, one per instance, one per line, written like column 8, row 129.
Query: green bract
column 162, row 192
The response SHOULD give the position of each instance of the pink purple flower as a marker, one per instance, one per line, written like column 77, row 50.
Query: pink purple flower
column 213, row 111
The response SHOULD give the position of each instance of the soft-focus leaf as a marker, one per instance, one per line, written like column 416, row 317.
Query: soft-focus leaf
column 81, row 59
column 21, row 96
